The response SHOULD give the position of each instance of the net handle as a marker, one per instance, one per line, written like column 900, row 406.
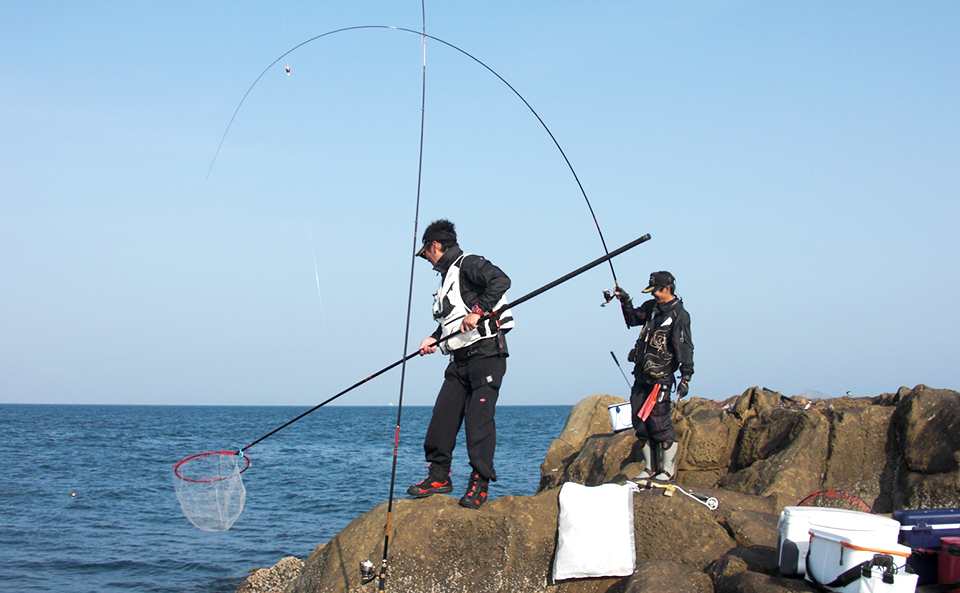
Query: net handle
column 487, row 315
column 176, row 466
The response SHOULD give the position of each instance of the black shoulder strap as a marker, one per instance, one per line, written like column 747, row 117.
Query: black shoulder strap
column 863, row 569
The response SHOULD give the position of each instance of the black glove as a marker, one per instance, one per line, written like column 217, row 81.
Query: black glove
column 621, row 294
column 683, row 388
column 632, row 355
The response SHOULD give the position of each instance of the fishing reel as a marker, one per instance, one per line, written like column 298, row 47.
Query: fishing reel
column 607, row 297
column 367, row 572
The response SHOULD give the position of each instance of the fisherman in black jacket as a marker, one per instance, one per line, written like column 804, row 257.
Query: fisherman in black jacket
column 471, row 287
column 663, row 348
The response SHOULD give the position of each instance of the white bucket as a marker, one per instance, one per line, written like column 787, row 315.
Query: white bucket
column 832, row 553
column 795, row 524
column 620, row 418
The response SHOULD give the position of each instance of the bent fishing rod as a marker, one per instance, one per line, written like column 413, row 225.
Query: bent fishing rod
column 424, row 35
column 487, row 315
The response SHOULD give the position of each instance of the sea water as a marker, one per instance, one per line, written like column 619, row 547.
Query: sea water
column 87, row 501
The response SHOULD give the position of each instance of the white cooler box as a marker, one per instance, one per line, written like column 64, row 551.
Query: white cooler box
column 795, row 524
column 620, row 418
column 833, row 553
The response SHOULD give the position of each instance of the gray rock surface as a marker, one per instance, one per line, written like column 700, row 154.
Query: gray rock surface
column 274, row 579
column 756, row 453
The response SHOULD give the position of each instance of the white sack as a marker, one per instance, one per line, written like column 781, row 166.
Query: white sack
column 595, row 532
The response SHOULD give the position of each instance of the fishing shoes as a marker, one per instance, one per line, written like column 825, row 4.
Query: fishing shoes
column 476, row 492
column 433, row 484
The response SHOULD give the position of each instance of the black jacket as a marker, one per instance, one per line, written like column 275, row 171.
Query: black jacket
column 481, row 284
column 661, row 349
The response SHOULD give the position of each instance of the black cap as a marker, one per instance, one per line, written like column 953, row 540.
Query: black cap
column 439, row 230
column 659, row 280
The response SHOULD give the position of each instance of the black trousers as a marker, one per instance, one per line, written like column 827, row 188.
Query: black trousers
column 658, row 426
column 467, row 397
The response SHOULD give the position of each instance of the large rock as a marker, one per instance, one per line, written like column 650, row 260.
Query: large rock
column 667, row 576
column 508, row 545
column 602, row 457
column 708, row 435
column 929, row 422
column 926, row 426
column 781, row 452
column 274, row 579
column 749, row 569
column 754, row 582
column 588, row 417
column 755, row 453
column 863, row 459
column 678, row 528
column 893, row 451
column 438, row 546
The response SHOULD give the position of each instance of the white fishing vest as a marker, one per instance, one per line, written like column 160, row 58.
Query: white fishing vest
column 449, row 320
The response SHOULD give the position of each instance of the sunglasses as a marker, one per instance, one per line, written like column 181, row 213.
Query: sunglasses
column 423, row 250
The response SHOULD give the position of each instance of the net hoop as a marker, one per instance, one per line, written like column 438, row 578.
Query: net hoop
column 210, row 488
column 838, row 495
column 177, row 466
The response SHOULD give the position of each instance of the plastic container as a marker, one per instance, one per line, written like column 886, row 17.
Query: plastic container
column 620, row 418
column 832, row 553
column 922, row 529
column 903, row 582
column 948, row 564
column 795, row 524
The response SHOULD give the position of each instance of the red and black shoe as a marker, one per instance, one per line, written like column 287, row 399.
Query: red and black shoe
column 476, row 492
column 435, row 483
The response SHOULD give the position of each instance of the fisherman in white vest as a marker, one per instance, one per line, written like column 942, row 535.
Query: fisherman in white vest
column 470, row 290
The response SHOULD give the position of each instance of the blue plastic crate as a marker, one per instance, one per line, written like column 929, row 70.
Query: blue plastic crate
column 921, row 529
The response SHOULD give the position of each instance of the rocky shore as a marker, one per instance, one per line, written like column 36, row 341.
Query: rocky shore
column 756, row 453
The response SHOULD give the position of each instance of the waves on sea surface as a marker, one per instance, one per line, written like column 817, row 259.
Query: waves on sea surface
column 89, row 504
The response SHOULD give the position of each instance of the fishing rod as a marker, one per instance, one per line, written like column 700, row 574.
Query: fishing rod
column 425, row 36
column 206, row 485
column 621, row 370
column 382, row 580
column 487, row 315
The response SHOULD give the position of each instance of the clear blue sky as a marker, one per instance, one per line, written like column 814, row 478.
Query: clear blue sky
column 797, row 164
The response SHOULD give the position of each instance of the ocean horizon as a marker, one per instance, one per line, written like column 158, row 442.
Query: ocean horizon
column 90, row 503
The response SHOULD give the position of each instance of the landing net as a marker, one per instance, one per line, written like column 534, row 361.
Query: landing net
column 836, row 499
column 210, row 489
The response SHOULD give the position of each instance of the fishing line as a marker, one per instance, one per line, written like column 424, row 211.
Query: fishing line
column 382, row 579
column 209, row 485
column 316, row 273
column 424, row 36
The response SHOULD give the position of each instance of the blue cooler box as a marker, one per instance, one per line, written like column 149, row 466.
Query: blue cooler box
column 921, row 529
